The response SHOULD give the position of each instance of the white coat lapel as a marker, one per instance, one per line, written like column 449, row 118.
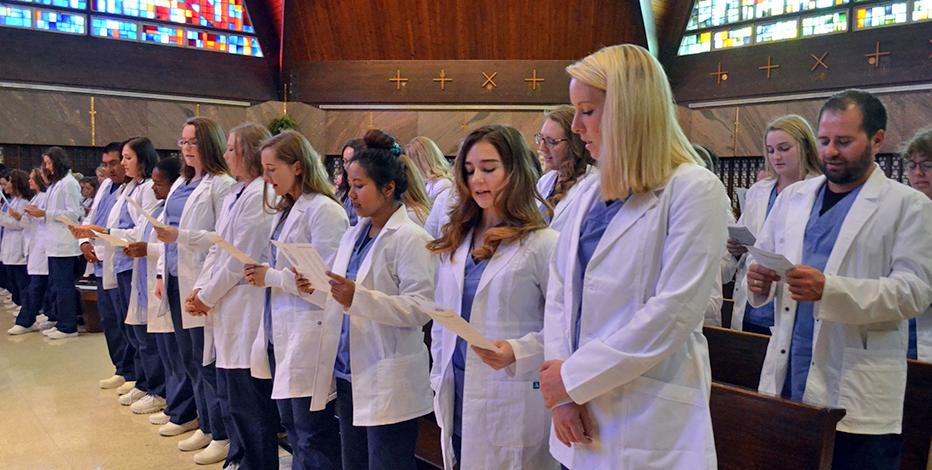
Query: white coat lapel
column 861, row 210
column 588, row 196
column 296, row 213
column 202, row 187
column 632, row 210
column 499, row 260
column 800, row 205
column 395, row 221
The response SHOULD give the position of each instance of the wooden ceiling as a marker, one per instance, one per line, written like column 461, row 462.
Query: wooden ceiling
column 336, row 30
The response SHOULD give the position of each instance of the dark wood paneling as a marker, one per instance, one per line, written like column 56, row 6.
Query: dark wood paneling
column 671, row 18
column 368, row 82
column 456, row 29
column 39, row 57
column 266, row 19
column 908, row 62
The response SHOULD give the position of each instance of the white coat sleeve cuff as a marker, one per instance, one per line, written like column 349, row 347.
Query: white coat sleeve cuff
column 529, row 355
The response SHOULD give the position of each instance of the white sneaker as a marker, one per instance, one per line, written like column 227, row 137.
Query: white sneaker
column 112, row 382
column 41, row 318
column 48, row 331
column 133, row 396
column 231, row 466
column 57, row 334
column 195, row 441
column 126, row 387
column 46, row 325
column 170, row 429
column 147, row 405
column 215, row 452
column 19, row 330
column 159, row 418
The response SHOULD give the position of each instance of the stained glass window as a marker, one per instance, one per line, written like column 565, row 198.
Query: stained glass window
column 732, row 38
column 825, row 24
column 206, row 40
column 19, row 17
column 244, row 45
column 221, row 14
column 922, row 10
column 61, row 22
column 114, row 28
column 881, row 15
column 77, row 4
column 719, row 12
column 696, row 43
column 778, row 31
column 161, row 34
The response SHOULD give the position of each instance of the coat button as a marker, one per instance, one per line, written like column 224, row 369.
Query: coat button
column 786, row 308
column 320, row 323
column 783, row 351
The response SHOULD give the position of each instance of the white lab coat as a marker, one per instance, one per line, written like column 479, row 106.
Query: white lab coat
column 236, row 307
column 198, row 219
column 297, row 319
column 64, row 199
column 96, row 243
column 505, row 423
column 560, row 213
column 141, row 193
column 924, row 336
column 13, row 247
column 37, row 263
column 390, row 371
column 642, row 367
column 436, row 187
column 440, row 212
column 879, row 274
column 150, row 315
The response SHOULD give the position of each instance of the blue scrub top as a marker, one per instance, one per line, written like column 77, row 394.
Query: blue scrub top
column 543, row 208
column 361, row 248
column 762, row 316
column 173, row 209
column 121, row 262
column 141, row 288
column 913, row 350
column 821, row 233
column 590, row 233
column 267, row 314
column 100, row 217
column 350, row 211
column 472, row 275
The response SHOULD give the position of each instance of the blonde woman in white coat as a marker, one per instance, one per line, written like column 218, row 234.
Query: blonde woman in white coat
column 66, row 264
column 494, row 260
column 790, row 156
column 233, row 309
column 13, row 248
column 567, row 162
column 381, row 272
column 434, row 168
column 191, row 212
column 291, row 332
column 627, row 373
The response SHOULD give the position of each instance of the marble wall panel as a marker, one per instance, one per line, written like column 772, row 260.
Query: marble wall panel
column 714, row 129
column 263, row 113
column 120, row 118
column 227, row 116
column 61, row 119
column 448, row 128
column 907, row 113
column 166, row 118
column 344, row 125
column 310, row 120
column 752, row 120
column 528, row 122
column 682, row 116
column 17, row 117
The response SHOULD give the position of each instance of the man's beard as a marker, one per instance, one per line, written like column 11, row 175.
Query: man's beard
column 849, row 172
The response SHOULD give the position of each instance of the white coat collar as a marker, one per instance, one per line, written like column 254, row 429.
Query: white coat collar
column 503, row 255
column 398, row 218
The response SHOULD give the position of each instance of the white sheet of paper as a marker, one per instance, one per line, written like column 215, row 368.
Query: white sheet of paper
column 457, row 324
column 5, row 200
column 64, row 220
column 152, row 220
column 115, row 241
column 307, row 261
column 774, row 261
column 742, row 234
column 232, row 250
column 741, row 194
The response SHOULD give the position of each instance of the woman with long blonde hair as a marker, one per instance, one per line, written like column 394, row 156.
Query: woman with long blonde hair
column 631, row 277
column 434, row 168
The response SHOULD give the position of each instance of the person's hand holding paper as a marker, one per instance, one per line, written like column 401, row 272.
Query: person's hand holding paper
column 308, row 265
column 235, row 252
column 455, row 323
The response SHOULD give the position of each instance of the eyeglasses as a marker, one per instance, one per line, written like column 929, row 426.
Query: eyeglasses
column 192, row 142
column 549, row 142
column 925, row 165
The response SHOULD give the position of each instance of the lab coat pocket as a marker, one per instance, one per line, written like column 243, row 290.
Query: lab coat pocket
column 662, row 416
column 515, row 415
column 873, row 383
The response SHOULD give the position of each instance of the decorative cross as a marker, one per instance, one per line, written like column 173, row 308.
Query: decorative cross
column 465, row 122
column 398, row 79
column 197, row 109
column 93, row 114
column 534, row 80
column 874, row 57
column 819, row 61
column 720, row 75
column 285, row 100
column 371, row 123
column 489, row 84
column 443, row 79
column 769, row 67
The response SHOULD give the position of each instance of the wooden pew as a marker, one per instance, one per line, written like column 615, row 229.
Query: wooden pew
column 737, row 357
column 753, row 430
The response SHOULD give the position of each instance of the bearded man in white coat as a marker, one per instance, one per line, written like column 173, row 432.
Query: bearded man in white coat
column 863, row 267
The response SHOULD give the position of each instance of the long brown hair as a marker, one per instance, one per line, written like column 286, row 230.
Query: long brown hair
column 290, row 147
column 577, row 160
column 517, row 202
column 248, row 137
column 19, row 179
column 210, row 144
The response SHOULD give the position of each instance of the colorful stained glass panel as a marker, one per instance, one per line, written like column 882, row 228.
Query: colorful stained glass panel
column 114, row 28
column 732, row 38
column 828, row 23
column 922, row 10
column 61, row 22
column 696, row 43
column 206, row 40
column 18, row 17
column 78, row 4
column 778, row 31
column 161, row 34
column 221, row 14
column 881, row 15
column 244, row 45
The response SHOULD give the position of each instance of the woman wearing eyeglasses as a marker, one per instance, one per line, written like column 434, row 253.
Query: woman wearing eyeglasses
column 567, row 163
column 918, row 163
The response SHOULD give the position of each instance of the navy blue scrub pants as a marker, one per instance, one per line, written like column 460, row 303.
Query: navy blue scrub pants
column 179, row 394
column 19, row 282
column 251, row 419
column 867, row 452
column 35, row 294
column 314, row 435
column 204, row 378
column 389, row 447
column 147, row 357
column 64, row 272
column 118, row 345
